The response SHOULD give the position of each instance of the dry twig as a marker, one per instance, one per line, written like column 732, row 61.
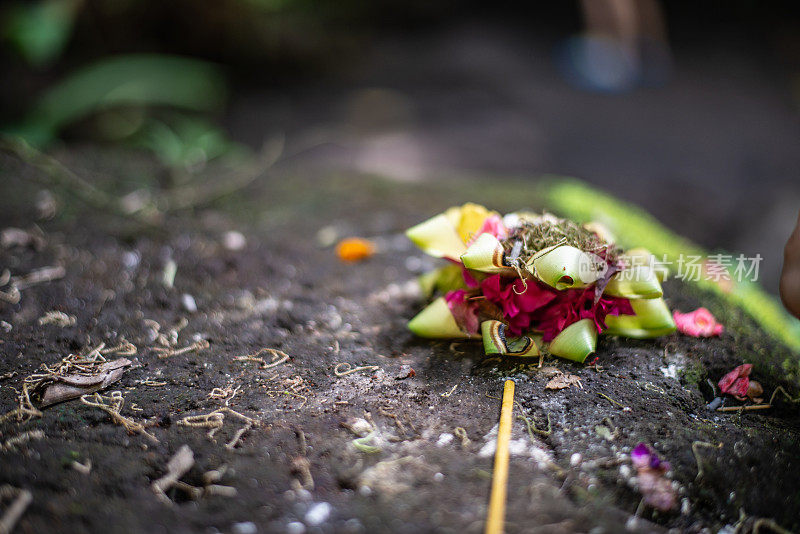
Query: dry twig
column 349, row 369
column 278, row 357
column 112, row 404
column 22, row 499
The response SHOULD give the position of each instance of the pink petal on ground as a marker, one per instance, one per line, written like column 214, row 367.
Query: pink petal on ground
column 737, row 381
column 699, row 323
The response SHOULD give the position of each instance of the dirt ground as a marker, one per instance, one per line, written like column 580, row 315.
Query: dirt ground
column 427, row 465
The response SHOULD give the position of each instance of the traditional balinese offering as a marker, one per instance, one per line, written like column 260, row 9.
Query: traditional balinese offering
column 531, row 284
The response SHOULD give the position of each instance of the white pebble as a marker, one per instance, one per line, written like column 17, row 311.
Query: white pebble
column 188, row 303
column 131, row 260
column 234, row 240
column 625, row 471
column 318, row 514
column 247, row 527
column 445, row 439
column 575, row 459
column 438, row 477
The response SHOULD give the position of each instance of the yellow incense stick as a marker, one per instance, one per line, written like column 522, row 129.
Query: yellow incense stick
column 497, row 500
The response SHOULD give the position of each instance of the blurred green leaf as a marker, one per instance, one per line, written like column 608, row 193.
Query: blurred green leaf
column 40, row 30
column 187, row 143
column 132, row 80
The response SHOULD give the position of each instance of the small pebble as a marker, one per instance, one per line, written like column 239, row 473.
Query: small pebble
column 247, row 527
column 234, row 240
column 131, row 260
column 295, row 527
column 188, row 303
column 318, row 514
column 445, row 439
column 575, row 459
column 714, row 404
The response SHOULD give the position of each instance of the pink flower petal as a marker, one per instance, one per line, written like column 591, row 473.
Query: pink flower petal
column 737, row 381
column 493, row 224
column 656, row 490
column 699, row 323
column 465, row 312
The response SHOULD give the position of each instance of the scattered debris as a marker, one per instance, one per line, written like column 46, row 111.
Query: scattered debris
column 394, row 477
column 344, row 369
column 452, row 390
column 13, row 442
column 278, row 357
column 180, row 464
column 461, row 434
column 112, row 405
column 17, row 283
column 532, row 427
column 563, row 381
column 17, row 237
column 58, row 318
column 39, row 276
column 84, row 469
column 302, row 467
column 607, row 430
column 358, row 426
column 215, row 420
column 699, row 323
column 406, row 371
column 362, row 444
column 168, row 338
column 609, row 399
column 224, row 394
column 656, row 489
column 22, row 499
column 166, row 352
column 353, row 249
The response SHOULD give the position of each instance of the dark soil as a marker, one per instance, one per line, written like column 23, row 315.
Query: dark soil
column 285, row 290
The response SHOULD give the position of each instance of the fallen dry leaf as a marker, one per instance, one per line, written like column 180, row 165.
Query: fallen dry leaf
column 72, row 386
column 564, row 380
